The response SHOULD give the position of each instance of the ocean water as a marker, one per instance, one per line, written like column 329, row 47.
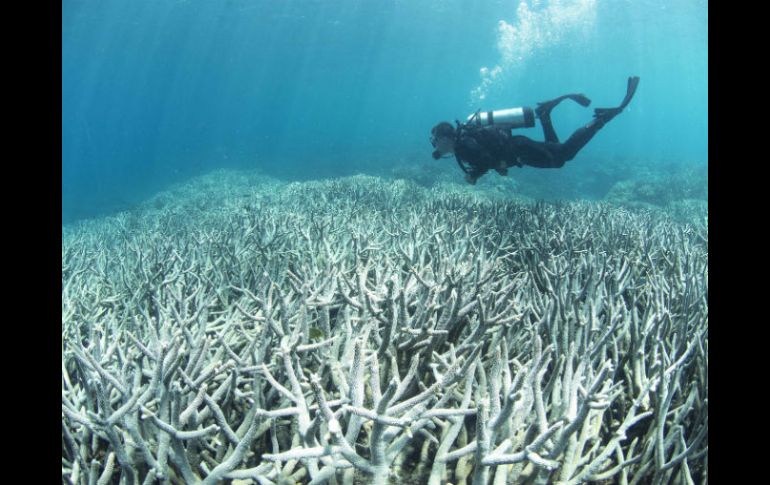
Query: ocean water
column 155, row 92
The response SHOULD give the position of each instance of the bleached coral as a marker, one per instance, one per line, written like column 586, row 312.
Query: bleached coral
column 330, row 331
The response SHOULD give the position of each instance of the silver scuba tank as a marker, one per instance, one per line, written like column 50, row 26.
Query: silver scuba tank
column 522, row 117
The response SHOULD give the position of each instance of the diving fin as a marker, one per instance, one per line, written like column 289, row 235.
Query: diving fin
column 546, row 107
column 580, row 99
column 606, row 114
column 633, row 82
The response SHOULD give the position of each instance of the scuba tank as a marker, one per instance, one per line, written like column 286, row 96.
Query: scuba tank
column 523, row 117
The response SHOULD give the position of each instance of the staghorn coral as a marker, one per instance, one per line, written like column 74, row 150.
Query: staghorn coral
column 357, row 331
column 662, row 188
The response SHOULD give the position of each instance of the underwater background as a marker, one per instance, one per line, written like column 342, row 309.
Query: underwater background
column 155, row 92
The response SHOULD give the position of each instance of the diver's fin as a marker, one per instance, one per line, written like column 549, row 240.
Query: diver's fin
column 580, row 99
column 546, row 107
column 606, row 114
column 633, row 82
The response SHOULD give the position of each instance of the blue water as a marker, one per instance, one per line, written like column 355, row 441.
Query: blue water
column 157, row 91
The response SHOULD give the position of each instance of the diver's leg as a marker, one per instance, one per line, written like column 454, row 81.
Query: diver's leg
column 602, row 116
column 547, row 124
column 578, row 140
column 525, row 151
column 543, row 112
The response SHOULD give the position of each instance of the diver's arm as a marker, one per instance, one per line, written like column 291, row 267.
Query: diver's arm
column 461, row 164
column 475, row 156
column 474, row 174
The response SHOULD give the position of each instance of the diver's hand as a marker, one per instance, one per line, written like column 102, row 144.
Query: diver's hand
column 470, row 179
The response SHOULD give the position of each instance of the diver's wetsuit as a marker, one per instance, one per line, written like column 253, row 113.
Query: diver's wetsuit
column 479, row 149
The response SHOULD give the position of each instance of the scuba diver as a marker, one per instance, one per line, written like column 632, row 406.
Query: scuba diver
column 485, row 140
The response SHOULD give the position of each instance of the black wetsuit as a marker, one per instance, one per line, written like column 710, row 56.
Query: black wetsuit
column 478, row 149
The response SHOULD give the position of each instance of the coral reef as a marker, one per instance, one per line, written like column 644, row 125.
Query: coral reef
column 241, row 330
column 661, row 188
